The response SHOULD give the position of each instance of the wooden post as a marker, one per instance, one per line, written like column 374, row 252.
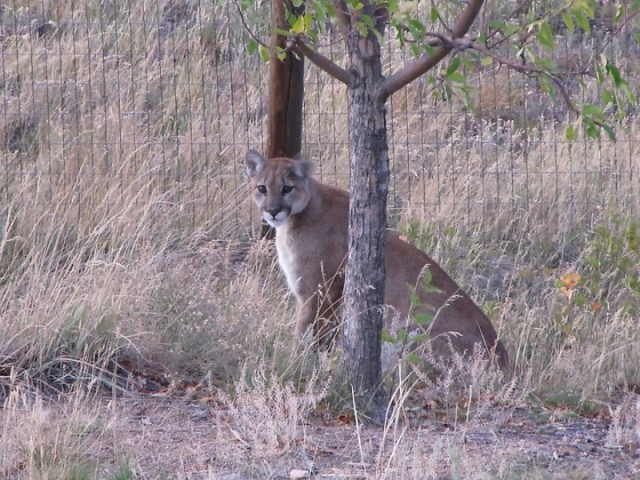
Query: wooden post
column 286, row 94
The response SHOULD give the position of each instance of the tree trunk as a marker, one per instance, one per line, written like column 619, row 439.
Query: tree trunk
column 365, row 277
column 286, row 95
column 286, row 89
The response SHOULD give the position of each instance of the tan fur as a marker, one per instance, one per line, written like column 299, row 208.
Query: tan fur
column 311, row 224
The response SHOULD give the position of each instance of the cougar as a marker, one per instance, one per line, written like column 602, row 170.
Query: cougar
column 311, row 223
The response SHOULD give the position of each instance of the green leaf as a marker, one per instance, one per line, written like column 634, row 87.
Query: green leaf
column 421, row 337
column 568, row 21
column 615, row 74
column 378, row 36
column 469, row 105
column 486, row 61
column 448, row 93
column 435, row 15
column 362, row 29
column 453, row 66
column 416, row 25
column 591, row 130
column 252, row 46
column 628, row 93
column 548, row 87
column 282, row 32
column 323, row 13
column 456, row 77
column 619, row 14
column 593, row 111
column 608, row 129
column 585, row 6
column 570, row 133
column 291, row 17
column 313, row 35
column 599, row 74
column 413, row 358
column 367, row 20
column 428, row 49
column 402, row 335
column 583, row 21
column 264, row 54
column 506, row 29
column 387, row 337
column 423, row 319
column 297, row 3
column 545, row 36
column 299, row 26
column 427, row 277
column 414, row 298
column 608, row 97
column 547, row 64
column 246, row 4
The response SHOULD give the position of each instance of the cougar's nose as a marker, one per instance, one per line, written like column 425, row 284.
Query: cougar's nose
column 273, row 211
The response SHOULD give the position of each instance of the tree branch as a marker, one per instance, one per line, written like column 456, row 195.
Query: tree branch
column 458, row 45
column 246, row 27
column 295, row 42
column 416, row 68
column 326, row 64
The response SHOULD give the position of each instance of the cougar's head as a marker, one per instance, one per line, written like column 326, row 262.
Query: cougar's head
column 280, row 186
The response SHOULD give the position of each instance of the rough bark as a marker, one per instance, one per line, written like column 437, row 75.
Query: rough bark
column 365, row 277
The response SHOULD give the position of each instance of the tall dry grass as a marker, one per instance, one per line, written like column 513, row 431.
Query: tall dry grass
column 126, row 231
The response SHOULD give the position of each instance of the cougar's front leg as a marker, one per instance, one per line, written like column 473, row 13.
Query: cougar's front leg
column 318, row 314
column 306, row 316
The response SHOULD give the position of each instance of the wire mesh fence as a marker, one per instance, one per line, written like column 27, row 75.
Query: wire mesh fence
column 111, row 104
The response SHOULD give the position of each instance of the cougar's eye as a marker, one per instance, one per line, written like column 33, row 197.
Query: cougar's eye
column 262, row 189
column 287, row 189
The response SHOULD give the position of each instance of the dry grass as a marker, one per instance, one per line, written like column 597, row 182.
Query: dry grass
column 125, row 245
column 43, row 442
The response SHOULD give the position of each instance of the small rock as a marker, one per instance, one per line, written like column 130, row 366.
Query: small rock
column 298, row 473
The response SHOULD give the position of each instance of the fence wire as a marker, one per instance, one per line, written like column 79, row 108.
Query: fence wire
column 110, row 104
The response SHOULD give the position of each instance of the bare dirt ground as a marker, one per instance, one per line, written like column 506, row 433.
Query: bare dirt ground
column 165, row 437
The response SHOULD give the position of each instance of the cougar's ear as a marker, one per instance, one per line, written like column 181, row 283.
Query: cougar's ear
column 301, row 166
column 254, row 163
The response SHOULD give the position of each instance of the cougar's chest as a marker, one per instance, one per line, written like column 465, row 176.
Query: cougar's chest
column 289, row 257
